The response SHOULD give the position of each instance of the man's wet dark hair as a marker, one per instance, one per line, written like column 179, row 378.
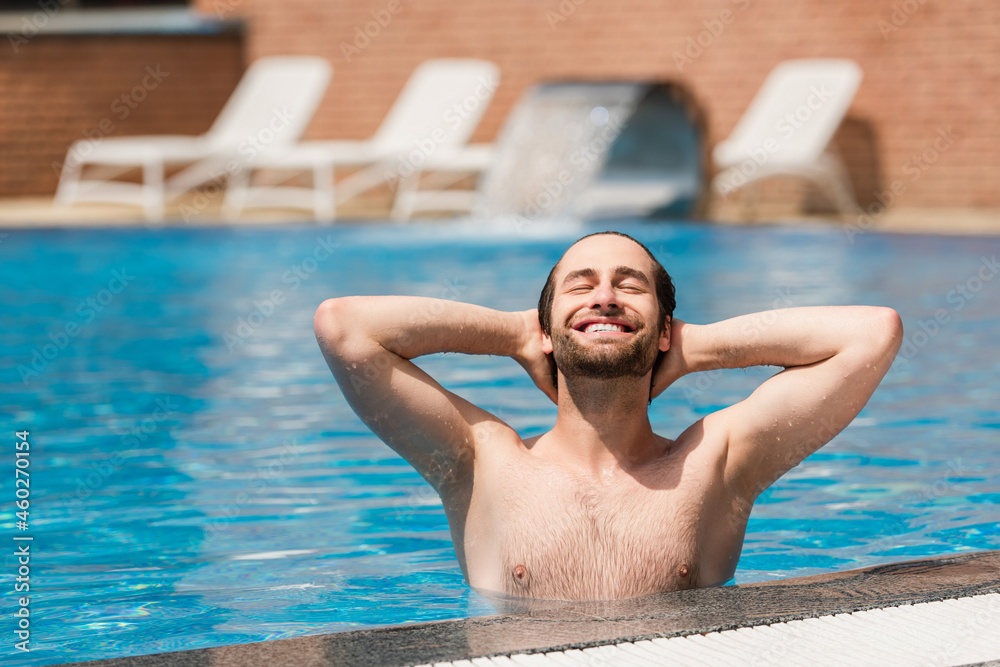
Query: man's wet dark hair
column 664, row 286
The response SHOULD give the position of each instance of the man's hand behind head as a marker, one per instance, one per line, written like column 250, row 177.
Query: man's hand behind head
column 539, row 365
column 672, row 365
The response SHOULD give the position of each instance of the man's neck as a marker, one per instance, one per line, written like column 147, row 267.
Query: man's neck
column 602, row 425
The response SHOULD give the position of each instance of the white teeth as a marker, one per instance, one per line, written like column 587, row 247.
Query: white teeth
column 603, row 327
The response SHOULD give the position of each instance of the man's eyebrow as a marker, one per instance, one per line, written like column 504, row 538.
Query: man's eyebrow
column 635, row 273
column 618, row 270
column 579, row 273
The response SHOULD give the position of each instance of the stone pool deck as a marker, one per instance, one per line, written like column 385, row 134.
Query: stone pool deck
column 28, row 212
column 528, row 629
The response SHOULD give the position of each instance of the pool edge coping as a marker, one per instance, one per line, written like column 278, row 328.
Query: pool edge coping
column 542, row 626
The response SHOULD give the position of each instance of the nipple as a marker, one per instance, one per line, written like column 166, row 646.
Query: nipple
column 520, row 574
column 683, row 570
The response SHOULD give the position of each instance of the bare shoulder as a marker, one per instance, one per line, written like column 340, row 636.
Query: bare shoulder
column 706, row 439
column 500, row 450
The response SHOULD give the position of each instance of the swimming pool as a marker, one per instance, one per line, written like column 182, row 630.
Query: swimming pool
column 198, row 480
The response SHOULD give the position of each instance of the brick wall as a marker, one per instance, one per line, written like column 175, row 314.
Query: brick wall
column 57, row 89
column 937, row 66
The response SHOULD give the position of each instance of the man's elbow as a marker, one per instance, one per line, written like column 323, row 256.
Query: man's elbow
column 887, row 332
column 331, row 323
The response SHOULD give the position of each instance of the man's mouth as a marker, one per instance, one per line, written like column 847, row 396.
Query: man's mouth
column 604, row 326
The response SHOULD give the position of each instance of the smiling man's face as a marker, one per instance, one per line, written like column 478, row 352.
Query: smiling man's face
column 605, row 316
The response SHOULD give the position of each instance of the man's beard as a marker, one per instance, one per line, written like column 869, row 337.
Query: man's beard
column 606, row 358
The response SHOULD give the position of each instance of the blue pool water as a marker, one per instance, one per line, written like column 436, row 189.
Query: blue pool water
column 197, row 479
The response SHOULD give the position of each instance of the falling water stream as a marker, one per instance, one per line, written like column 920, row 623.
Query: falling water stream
column 552, row 147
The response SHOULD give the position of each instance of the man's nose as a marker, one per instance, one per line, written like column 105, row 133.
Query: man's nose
column 603, row 297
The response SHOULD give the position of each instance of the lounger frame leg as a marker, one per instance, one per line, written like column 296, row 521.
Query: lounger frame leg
column 406, row 196
column 324, row 196
column 69, row 180
column 152, row 189
column 235, row 199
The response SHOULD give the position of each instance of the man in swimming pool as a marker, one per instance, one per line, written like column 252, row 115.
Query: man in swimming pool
column 601, row 507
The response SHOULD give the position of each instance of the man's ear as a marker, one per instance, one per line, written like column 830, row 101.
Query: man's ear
column 665, row 337
column 546, row 343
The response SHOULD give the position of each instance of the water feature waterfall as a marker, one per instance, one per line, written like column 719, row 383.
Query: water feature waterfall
column 584, row 149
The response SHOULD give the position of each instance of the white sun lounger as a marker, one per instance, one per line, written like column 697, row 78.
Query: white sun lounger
column 269, row 109
column 787, row 129
column 426, row 129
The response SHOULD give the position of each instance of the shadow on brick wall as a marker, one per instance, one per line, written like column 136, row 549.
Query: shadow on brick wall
column 858, row 145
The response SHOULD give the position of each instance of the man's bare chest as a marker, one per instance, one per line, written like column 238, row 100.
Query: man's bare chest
column 551, row 536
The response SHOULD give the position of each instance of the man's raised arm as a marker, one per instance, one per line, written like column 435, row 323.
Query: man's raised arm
column 834, row 357
column 368, row 343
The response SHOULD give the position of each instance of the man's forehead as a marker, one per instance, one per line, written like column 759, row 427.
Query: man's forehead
column 607, row 252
